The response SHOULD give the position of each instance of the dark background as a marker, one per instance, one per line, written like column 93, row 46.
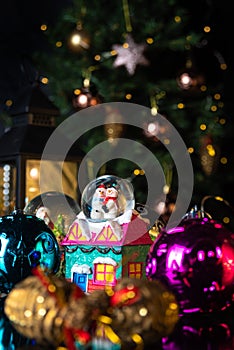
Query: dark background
column 20, row 36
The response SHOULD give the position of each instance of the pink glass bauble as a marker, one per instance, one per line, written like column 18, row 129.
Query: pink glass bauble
column 196, row 261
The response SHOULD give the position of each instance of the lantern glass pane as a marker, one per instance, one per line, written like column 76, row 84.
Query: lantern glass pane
column 7, row 188
column 47, row 175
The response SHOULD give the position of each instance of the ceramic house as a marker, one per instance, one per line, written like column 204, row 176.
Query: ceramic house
column 108, row 240
column 105, row 257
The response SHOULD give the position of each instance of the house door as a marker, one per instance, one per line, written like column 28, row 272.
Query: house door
column 81, row 280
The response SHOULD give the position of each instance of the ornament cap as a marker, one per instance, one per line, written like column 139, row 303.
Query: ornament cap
column 196, row 213
column 17, row 211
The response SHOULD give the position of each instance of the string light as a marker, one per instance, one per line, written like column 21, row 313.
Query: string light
column 189, row 78
column 84, row 98
column 78, row 39
column 87, row 95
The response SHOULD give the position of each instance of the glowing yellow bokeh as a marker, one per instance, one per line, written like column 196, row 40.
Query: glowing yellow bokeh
column 217, row 96
column 207, row 29
column 223, row 66
column 44, row 80
column 177, row 19
column 43, row 27
column 213, row 108
column 222, row 121
column 77, row 92
column 210, row 150
column 149, row 41
column 218, row 198
column 223, row 160
column 203, row 88
column 190, row 150
column 8, row 103
column 180, row 105
column 226, row 220
column 203, row 127
column 59, row 44
column 128, row 96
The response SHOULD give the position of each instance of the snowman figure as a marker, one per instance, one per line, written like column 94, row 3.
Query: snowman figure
column 97, row 212
column 111, row 209
column 110, row 205
column 44, row 214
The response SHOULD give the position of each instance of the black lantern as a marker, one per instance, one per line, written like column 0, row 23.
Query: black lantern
column 21, row 147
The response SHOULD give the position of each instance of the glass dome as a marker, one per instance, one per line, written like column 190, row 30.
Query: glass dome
column 107, row 197
column 57, row 209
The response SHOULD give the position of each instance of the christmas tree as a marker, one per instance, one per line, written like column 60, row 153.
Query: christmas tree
column 162, row 56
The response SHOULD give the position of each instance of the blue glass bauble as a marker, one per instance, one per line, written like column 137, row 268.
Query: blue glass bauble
column 25, row 242
column 195, row 260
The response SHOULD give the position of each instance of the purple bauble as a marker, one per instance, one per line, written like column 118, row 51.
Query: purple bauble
column 195, row 260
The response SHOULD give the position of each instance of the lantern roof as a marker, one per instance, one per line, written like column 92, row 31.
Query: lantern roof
column 33, row 122
column 33, row 106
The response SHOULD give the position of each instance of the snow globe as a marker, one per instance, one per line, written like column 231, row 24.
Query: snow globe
column 107, row 197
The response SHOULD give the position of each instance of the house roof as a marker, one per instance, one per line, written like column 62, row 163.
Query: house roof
column 137, row 233
column 134, row 232
column 145, row 239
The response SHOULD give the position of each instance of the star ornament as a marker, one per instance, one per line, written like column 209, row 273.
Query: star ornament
column 130, row 55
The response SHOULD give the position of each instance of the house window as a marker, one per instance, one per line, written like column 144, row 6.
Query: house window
column 104, row 274
column 135, row 270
